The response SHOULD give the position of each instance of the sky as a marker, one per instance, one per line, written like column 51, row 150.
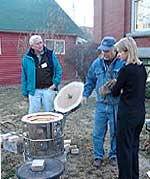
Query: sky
column 81, row 11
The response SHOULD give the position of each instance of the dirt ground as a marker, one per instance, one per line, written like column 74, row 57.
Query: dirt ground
column 78, row 128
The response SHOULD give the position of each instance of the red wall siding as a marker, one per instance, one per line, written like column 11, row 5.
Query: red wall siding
column 69, row 73
column 14, row 45
column 10, row 62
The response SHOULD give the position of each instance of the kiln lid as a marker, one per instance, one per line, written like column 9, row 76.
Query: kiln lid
column 69, row 97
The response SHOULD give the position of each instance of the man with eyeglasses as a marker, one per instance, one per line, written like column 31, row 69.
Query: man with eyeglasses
column 41, row 75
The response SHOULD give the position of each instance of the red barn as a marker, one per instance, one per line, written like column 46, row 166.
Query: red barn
column 124, row 18
column 18, row 20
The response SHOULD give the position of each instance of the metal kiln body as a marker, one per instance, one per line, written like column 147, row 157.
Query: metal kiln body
column 43, row 135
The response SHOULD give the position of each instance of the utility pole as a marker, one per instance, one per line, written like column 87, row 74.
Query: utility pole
column 73, row 10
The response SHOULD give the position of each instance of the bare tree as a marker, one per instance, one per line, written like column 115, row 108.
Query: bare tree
column 80, row 57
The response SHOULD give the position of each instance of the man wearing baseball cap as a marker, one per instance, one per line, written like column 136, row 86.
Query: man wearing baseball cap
column 107, row 43
column 103, row 68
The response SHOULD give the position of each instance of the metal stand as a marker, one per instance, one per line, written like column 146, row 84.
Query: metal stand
column 53, row 170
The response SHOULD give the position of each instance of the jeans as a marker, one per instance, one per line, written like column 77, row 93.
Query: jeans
column 41, row 97
column 104, row 114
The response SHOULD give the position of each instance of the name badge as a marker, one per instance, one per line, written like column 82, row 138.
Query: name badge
column 44, row 65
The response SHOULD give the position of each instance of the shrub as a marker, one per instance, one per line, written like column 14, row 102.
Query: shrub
column 147, row 94
column 80, row 57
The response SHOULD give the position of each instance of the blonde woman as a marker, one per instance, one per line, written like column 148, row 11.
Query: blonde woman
column 131, row 112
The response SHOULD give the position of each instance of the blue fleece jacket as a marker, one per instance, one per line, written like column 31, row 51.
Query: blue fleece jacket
column 29, row 72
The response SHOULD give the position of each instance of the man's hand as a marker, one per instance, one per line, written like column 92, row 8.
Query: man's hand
column 84, row 100
column 53, row 87
column 26, row 99
column 104, row 90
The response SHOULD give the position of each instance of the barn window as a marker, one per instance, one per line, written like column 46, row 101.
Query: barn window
column 57, row 45
column 140, row 15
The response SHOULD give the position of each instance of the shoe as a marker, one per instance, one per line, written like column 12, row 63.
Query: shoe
column 97, row 163
column 113, row 162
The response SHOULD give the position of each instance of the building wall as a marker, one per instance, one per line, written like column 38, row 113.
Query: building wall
column 13, row 46
column 113, row 18
column 128, row 13
column 97, row 31
column 10, row 62
column 109, row 19
column 143, row 41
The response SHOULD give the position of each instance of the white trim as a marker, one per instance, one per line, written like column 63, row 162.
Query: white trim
column 144, row 33
column 144, row 52
column 133, row 17
column 55, row 41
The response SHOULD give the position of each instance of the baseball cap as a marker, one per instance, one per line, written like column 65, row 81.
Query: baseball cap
column 106, row 43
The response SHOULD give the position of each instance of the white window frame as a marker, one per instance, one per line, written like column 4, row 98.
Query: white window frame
column 135, row 31
column 55, row 47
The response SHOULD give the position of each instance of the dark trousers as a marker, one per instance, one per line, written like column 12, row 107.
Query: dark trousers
column 128, row 132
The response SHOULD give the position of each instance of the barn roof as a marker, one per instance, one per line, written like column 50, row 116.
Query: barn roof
column 36, row 15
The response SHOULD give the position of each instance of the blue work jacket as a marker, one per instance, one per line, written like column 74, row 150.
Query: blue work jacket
column 99, row 73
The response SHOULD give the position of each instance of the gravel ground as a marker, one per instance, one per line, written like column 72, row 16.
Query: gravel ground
column 78, row 128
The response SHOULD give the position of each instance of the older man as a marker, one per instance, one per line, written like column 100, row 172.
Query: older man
column 41, row 75
column 100, row 72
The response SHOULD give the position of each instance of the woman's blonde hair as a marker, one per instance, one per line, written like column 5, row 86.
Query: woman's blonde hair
column 128, row 44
